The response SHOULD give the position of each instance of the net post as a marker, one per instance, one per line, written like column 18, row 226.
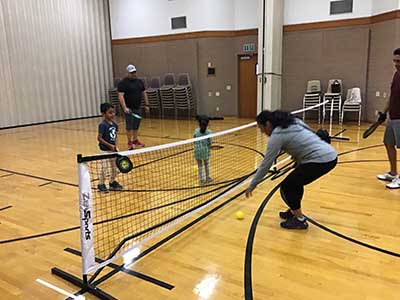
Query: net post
column 86, row 217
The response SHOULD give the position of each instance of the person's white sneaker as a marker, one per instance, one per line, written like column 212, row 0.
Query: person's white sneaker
column 387, row 176
column 395, row 184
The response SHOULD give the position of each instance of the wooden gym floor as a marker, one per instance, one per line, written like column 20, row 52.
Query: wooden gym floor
column 38, row 194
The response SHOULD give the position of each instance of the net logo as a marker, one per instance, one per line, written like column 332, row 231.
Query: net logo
column 87, row 216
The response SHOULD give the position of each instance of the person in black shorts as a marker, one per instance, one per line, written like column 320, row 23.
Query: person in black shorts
column 130, row 93
column 107, row 138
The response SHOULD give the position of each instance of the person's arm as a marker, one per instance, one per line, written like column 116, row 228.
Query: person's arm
column 121, row 99
column 382, row 116
column 385, row 111
column 146, row 102
column 386, row 106
column 116, row 138
column 273, row 149
column 104, row 142
column 209, row 140
column 116, row 143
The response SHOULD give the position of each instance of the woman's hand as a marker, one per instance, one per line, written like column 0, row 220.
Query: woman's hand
column 249, row 192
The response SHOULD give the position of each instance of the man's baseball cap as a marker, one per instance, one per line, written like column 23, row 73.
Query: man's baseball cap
column 131, row 68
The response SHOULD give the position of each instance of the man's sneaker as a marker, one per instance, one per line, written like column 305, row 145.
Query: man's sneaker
column 131, row 146
column 387, row 176
column 115, row 186
column 102, row 188
column 286, row 215
column 395, row 184
column 294, row 223
column 137, row 143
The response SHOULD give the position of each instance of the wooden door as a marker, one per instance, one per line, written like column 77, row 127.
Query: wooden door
column 247, row 86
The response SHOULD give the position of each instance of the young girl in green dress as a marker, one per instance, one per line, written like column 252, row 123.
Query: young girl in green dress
column 202, row 150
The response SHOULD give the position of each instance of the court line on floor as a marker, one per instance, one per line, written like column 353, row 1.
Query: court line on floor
column 6, row 175
column 38, row 177
column 248, row 283
column 6, row 207
column 352, row 240
column 362, row 161
column 59, row 290
column 359, row 149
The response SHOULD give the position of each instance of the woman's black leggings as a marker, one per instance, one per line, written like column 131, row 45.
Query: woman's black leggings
column 292, row 188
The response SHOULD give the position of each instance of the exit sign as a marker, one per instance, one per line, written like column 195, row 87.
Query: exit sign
column 249, row 48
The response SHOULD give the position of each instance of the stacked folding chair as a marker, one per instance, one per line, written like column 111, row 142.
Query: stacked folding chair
column 167, row 100
column 312, row 97
column 191, row 101
column 183, row 94
column 169, row 80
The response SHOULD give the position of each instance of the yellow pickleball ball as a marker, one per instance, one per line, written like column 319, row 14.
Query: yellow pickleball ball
column 239, row 215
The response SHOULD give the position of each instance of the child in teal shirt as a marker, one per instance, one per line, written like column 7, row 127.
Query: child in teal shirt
column 202, row 150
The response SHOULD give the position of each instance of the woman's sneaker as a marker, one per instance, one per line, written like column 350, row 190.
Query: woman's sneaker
column 286, row 215
column 395, row 184
column 294, row 223
column 386, row 177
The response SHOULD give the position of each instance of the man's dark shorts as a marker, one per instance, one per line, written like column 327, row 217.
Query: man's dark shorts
column 131, row 122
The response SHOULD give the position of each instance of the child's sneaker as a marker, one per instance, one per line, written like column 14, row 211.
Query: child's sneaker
column 209, row 179
column 102, row 188
column 294, row 223
column 131, row 146
column 115, row 186
column 286, row 215
column 386, row 177
column 137, row 143
column 395, row 184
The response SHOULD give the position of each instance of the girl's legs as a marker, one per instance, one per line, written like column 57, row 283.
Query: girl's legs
column 200, row 170
column 206, row 166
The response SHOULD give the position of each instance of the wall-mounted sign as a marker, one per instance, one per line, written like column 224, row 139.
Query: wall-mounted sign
column 249, row 48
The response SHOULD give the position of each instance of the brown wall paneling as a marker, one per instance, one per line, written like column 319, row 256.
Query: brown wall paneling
column 323, row 54
column 218, row 51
